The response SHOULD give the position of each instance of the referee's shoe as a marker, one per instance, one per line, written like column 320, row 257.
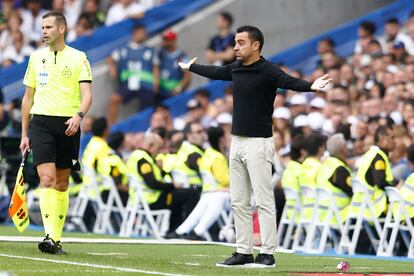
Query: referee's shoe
column 48, row 245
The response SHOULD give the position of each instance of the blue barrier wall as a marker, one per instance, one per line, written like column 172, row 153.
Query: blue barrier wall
column 106, row 39
column 302, row 56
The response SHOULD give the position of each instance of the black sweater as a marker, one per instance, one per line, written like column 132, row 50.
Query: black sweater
column 254, row 91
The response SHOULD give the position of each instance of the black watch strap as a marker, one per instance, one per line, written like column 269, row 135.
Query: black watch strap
column 81, row 114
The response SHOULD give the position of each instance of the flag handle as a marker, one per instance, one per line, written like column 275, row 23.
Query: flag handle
column 24, row 156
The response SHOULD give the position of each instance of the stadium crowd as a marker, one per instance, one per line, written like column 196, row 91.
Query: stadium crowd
column 361, row 126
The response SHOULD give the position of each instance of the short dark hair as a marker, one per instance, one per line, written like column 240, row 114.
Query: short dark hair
column 227, row 17
column 99, row 126
column 329, row 41
column 381, row 130
column 254, row 34
column 115, row 140
column 393, row 20
column 59, row 17
column 203, row 93
column 368, row 26
column 296, row 147
column 313, row 142
column 214, row 135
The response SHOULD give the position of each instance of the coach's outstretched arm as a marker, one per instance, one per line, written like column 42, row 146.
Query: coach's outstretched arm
column 209, row 71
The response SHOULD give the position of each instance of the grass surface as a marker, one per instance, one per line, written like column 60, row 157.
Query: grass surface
column 173, row 259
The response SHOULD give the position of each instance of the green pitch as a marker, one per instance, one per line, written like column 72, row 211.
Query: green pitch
column 23, row 258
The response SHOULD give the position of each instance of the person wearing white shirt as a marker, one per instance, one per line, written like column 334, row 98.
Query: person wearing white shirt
column 32, row 21
column 124, row 9
column 18, row 51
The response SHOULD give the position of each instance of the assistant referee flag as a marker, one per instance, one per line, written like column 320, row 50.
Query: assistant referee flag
column 18, row 205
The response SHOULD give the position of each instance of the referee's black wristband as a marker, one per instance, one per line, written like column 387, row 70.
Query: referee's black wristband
column 81, row 114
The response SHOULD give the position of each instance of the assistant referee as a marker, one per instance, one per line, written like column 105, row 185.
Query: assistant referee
column 58, row 94
column 255, row 81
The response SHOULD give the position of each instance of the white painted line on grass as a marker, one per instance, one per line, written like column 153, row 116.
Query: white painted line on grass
column 123, row 269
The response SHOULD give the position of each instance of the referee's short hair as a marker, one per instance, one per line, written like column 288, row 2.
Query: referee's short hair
column 254, row 34
column 59, row 17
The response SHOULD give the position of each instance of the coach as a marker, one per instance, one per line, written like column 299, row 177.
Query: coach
column 255, row 81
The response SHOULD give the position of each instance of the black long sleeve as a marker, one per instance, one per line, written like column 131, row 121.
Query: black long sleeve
column 149, row 177
column 340, row 180
column 254, row 91
column 212, row 72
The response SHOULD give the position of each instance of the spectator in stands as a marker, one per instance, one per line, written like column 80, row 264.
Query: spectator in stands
column 32, row 22
column 220, row 49
column 195, row 114
column 83, row 27
column 325, row 45
column 14, row 23
column 135, row 67
column 18, row 52
column 96, row 16
column 203, row 97
column 172, row 79
column 366, row 34
column 7, row 7
column 124, row 9
column 215, row 197
column 392, row 33
column 158, row 193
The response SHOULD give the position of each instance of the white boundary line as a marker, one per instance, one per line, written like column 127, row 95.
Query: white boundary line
column 122, row 269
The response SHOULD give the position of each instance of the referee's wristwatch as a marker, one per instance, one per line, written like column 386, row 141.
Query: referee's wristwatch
column 81, row 114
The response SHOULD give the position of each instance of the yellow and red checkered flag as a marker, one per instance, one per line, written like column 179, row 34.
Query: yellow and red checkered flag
column 18, row 205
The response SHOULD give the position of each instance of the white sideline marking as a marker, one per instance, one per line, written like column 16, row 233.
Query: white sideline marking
column 91, row 265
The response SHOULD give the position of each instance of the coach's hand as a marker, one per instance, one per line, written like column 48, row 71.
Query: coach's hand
column 73, row 125
column 24, row 144
column 321, row 82
column 186, row 66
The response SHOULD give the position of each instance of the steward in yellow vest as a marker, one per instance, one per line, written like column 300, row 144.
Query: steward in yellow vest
column 375, row 172
column 334, row 175
column 315, row 147
column 113, row 166
column 159, row 194
column 407, row 189
column 97, row 147
column 189, row 156
column 291, row 178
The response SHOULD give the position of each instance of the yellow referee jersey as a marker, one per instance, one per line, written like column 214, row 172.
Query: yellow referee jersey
column 55, row 76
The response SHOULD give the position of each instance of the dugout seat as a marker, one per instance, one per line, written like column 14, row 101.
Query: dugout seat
column 396, row 221
column 356, row 221
column 139, row 219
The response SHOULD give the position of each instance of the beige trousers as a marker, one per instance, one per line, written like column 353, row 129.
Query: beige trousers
column 251, row 170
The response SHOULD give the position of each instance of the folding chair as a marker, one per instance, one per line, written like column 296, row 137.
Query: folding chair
column 397, row 212
column 303, row 226
column 322, row 228
column 355, row 222
column 290, row 215
column 139, row 218
column 113, row 205
column 88, row 193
